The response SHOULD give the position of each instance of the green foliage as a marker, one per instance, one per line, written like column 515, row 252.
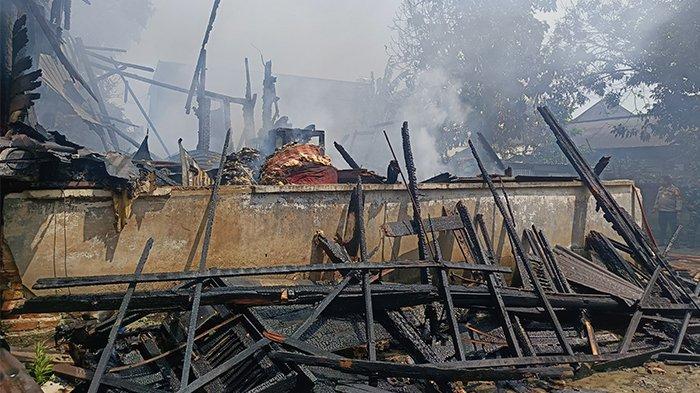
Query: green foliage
column 42, row 368
column 646, row 49
column 495, row 55
column 502, row 60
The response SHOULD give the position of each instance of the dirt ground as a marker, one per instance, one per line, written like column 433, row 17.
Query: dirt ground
column 650, row 378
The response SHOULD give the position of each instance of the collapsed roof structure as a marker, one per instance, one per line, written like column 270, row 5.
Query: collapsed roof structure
column 359, row 326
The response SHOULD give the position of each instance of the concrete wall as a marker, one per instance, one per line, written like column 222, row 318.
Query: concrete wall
column 73, row 232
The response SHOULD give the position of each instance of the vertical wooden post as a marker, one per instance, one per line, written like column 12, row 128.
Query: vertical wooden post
column 269, row 97
column 203, row 108
column 248, row 110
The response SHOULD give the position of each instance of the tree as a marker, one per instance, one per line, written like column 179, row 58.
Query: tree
column 485, row 65
column 647, row 48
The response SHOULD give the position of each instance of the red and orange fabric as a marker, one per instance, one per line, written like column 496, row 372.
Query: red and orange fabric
column 299, row 164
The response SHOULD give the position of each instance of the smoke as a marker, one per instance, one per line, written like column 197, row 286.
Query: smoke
column 339, row 40
column 431, row 109
column 337, row 44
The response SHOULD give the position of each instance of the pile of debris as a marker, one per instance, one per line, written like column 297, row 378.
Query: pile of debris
column 562, row 314
column 241, row 168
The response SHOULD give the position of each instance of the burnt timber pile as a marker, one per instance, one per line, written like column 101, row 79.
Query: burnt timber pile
column 561, row 315
column 350, row 325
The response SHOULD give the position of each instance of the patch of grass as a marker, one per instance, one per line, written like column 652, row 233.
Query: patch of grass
column 41, row 369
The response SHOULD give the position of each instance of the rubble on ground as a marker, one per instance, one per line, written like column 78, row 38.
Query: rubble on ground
column 563, row 314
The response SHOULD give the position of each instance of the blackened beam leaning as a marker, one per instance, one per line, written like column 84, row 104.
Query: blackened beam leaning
column 584, row 317
column 390, row 296
column 637, row 316
column 444, row 285
column 490, row 256
column 642, row 250
column 493, row 284
column 346, row 156
column 107, row 350
column 68, row 282
column 210, row 214
column 412, row 187
column 200, row 57
column 366, row 279
column 519, row 254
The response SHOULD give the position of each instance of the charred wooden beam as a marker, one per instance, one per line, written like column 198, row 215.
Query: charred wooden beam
column 390, row 296
column 203, row 111
column 346, row 156
column 520, row 255
column 494, row 287
column 436, row 371
column 412, row 187
column 643, row 251
column 121, row 64
column 566, row 288
column 67, row 282
column 197, row 294
column 637, row 316
column 518, row 328
column 198, row 68
column 457, row 366
column 684, row 358
column 448, row 302
column 366, row 275
column 335, row 252
column 168, row 86
column 107, row 350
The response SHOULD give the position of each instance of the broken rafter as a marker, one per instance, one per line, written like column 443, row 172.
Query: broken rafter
column 643, row 251
column 210, row 94
column 66, row 282
column 493, row 284
column 520, row 255
column 366, row 279
column 346, row 156
column 200, row 57
column 107, row 350
column 390, row 296
column 197, row 295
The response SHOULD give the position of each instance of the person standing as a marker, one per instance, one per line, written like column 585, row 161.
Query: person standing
column 667, row 205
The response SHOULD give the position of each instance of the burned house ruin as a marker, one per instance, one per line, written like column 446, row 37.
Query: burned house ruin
column 254, row 263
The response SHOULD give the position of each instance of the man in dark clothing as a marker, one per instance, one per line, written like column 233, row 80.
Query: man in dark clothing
column 667, row 205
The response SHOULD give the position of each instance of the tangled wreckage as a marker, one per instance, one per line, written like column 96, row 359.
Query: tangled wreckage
column 508, row 305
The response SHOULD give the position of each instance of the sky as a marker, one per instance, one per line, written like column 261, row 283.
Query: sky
column 338, row 39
